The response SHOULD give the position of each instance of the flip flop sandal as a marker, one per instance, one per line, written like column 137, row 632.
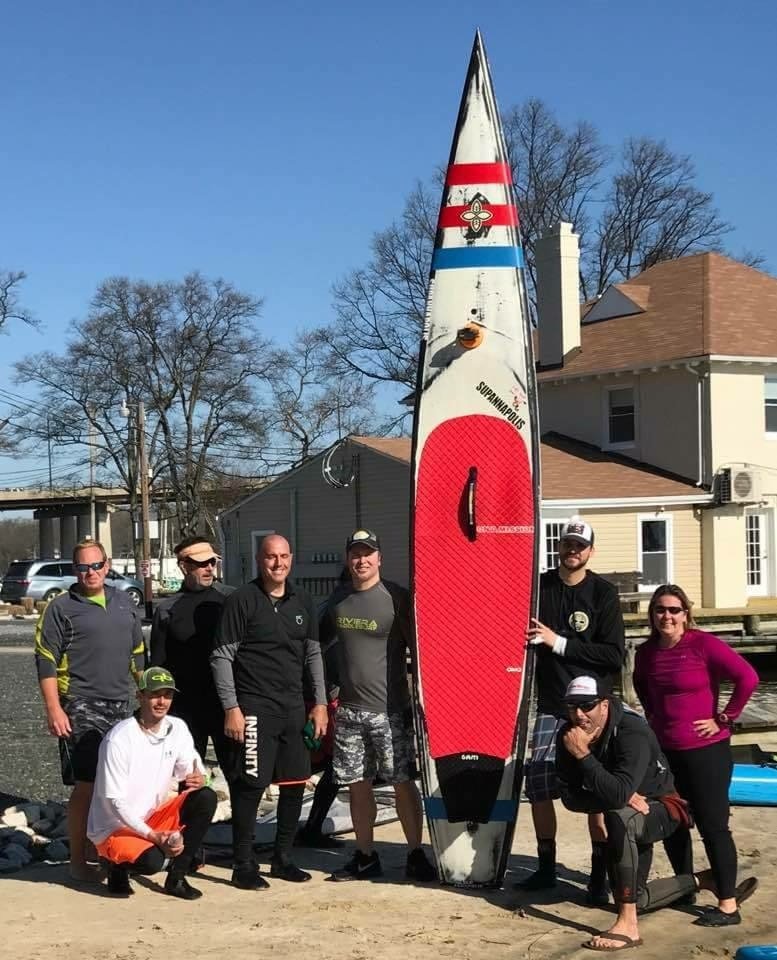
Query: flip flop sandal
column 627, row 942
column 746, row 889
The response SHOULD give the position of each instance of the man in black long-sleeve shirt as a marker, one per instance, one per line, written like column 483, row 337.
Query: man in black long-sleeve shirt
column 266, row 639
column 579, row 631
column 608, row 760
column 182, row 634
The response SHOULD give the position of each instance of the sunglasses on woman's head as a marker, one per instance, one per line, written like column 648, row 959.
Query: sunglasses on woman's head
column 201, row 564
column 84, row 567
column 673, row 610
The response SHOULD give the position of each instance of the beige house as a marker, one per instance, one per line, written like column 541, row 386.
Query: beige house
column 371, row 478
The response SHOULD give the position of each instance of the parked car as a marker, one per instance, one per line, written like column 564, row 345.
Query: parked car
column 45, row 579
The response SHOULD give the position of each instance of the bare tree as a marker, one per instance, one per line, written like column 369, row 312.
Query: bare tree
column 653, row 212
column 556, row 174
column 189, row 351
column 314, row 400
column 10, row 306
column 379, row 309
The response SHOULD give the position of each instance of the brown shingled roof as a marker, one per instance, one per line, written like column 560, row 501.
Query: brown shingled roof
column 693, row 307
column 572, row 470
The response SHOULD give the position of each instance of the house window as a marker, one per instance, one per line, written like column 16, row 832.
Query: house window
column 753, row 549
column 552, row 538
column 654, row 551
column 621, row 416
column 770, row 404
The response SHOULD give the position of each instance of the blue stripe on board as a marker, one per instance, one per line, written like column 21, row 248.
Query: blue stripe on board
column 503, row 811
column 449, row 258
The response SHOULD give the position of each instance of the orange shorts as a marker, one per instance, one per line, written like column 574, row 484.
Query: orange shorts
column 124, row 846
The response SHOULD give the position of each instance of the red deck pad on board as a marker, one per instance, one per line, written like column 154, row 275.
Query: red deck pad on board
column 502, row 215
column 464, row 173
column 473, row 598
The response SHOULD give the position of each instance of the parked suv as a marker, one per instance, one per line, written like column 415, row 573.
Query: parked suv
column 45, row 579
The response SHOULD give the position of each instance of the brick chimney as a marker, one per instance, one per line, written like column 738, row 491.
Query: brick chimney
column 558, row 293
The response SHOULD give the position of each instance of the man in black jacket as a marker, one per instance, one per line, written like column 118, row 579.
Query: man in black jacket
column 579, row 631
column 182, row 634
column 608, row 760
column 266, row 640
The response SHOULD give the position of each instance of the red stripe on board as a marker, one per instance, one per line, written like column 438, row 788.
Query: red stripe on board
column 502, row 215
column 463, row 173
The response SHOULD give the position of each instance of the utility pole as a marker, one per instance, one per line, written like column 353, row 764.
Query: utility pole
column 144, row 508
column 48, row 443
column 92, row 504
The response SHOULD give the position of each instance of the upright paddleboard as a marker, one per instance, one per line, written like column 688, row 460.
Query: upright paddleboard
column 475, row 504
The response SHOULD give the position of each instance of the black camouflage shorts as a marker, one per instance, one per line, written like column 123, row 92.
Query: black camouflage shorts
column 89, row 720
column 371, row 745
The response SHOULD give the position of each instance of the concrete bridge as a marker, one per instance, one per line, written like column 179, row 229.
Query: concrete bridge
column 78, row 513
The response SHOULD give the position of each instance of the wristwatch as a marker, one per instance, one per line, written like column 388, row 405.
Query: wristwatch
column 722, row 720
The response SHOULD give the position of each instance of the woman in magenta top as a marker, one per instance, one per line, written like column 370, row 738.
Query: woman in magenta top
column 677, row 677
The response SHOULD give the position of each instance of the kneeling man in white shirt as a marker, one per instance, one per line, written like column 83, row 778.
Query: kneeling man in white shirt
column 132, row 823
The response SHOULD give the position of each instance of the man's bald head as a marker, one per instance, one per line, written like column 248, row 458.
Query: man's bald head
column 272, row 543
column 273, row 560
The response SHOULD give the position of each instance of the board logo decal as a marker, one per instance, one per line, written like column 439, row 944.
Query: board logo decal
column 505, row 528
column 299, row 618
column 501, row 405
column 579, row 621
column 476, row 217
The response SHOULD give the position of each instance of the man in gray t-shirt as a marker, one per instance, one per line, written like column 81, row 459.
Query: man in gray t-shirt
column 365, row 635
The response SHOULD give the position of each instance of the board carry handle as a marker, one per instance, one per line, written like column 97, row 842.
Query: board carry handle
column 472, row 483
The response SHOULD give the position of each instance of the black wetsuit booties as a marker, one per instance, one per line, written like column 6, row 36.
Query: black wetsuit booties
column 263, row 647
column 182, row 636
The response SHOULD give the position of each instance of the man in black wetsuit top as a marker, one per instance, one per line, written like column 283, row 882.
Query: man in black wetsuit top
column 266, row 640
column 182, row 635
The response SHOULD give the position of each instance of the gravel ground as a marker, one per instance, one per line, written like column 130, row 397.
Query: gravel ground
column 30, row 760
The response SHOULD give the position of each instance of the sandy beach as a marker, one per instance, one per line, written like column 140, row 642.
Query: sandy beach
column 387, row 920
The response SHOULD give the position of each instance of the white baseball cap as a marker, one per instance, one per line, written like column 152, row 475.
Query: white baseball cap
column 577, row 529
column 583, row 690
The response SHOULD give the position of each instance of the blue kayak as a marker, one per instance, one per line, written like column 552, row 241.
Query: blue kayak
column 760, row 952
column 755, row 777
column 754, row 785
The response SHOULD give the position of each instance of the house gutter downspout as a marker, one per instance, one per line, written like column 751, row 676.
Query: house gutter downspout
column 700, row 378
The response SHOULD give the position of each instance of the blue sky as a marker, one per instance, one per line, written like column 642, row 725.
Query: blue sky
column 265, row 142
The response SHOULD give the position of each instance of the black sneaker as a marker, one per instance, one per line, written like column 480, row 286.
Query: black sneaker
column 180, row 887
column 539, row 880
column 118, row 882
column 246, row 876
column 715, row 917
column 359, row 867
column 316, row 840
column 418, row 866
column 286, row 870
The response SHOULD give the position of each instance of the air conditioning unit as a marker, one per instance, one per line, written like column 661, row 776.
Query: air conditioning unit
column 739, row 485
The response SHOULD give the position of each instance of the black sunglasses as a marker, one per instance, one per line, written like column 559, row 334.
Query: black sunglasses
column 84, row 567
column 586, row 706
column 201, row 564
column 660, row 608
